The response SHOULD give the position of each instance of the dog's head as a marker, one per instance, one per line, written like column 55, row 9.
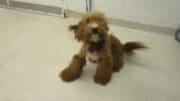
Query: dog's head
column 91, row 28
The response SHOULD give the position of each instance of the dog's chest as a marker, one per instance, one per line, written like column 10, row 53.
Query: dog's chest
column 92, row 56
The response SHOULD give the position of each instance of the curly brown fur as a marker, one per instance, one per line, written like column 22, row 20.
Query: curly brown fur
column 73, row 71
column 129, row 47
column 99, row 46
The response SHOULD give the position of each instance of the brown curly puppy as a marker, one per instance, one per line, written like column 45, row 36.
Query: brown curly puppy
column 98, row 46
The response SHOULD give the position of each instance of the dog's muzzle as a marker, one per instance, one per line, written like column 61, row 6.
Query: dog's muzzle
column 95, row 38
column 95, row 32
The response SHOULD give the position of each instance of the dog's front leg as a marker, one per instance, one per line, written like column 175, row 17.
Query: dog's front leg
column 73, row 71
column 104, row 70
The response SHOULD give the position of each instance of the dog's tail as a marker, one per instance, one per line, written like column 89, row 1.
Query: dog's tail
column 129, row 47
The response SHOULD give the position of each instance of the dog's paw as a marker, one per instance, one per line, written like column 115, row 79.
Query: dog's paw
column 103, row 80
column 69, row 75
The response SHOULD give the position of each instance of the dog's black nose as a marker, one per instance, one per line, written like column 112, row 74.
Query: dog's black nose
column 95, row 30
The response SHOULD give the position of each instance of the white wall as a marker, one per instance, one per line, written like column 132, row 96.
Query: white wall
column 165, row 13
column 77, row 5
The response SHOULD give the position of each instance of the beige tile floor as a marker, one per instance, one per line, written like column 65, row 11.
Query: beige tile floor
column 35, row 48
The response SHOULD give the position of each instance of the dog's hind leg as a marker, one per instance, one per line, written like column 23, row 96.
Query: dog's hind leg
column 117, row 53
column 118, row 66
column 118, row 61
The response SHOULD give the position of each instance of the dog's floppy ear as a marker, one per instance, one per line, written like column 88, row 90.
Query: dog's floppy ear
column 77, row 31
column 73, row 27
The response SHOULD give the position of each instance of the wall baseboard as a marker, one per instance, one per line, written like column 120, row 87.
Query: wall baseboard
column 143, row 27
column 36, row 8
